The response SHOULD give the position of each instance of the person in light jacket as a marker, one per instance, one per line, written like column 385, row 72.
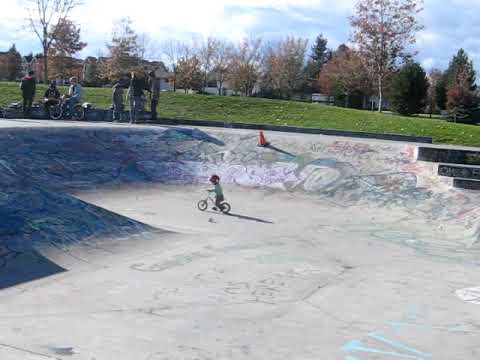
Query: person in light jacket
column 74, row 94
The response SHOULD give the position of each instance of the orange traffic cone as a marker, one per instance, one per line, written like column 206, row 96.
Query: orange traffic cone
column 263, row 141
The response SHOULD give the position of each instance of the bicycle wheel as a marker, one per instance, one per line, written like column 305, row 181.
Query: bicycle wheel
column 202, row 205
column 78, row 113
column 55, row 112
column 225, row 207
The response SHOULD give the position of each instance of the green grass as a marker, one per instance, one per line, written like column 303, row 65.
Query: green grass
column 264, row 111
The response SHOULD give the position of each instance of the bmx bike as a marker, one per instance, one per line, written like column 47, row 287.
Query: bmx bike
column 203, row 204
column 60, row 110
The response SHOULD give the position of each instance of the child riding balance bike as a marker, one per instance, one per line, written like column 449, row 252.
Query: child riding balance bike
column 219, row 201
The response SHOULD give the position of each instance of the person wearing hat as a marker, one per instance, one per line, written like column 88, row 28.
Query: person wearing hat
column 51, row 97
column 155, row 93
column 135, row 94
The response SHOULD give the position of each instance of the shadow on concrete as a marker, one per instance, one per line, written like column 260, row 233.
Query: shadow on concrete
column 249, row 218
column 18, row 267
column 274, row 148
column 33, row 221
column 182, row 134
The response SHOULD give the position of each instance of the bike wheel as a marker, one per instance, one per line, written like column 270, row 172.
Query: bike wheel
column 202, row 205
column 55, row 112
column 78, row 113
column 225, row 207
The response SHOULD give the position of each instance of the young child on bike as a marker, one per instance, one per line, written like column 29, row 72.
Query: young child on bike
column 219, row 198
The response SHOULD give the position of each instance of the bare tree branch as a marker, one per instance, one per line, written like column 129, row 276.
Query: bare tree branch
column 49, row 14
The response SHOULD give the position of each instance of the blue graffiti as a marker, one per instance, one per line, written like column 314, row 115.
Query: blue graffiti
column 400, row 350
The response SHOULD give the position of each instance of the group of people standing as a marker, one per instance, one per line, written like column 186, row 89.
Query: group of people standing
column 137, row 84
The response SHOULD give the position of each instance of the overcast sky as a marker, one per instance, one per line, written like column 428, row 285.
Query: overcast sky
column 449, row 24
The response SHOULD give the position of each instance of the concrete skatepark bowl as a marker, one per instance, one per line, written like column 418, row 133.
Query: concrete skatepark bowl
column 335, row 249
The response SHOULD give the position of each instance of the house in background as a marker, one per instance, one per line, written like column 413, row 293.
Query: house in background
column 373, row 103
column 214, row 87
column 322, row 99
column 33, row 63
column 219, row 88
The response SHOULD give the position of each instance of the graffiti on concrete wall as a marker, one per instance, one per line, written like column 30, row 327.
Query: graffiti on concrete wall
column 348, row 173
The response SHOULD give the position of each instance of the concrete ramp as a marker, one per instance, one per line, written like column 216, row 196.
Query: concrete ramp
column 336, row 248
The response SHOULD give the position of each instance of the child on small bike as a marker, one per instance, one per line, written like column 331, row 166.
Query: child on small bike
column 219, row 198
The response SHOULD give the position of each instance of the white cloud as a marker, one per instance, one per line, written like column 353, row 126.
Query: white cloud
column 426, row 38
column 428, row 64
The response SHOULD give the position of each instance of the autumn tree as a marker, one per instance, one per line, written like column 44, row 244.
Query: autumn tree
column 13, row 64
column 67, row 39
column 124, row 50
column 461, row 100
column 409, row 89
column 44, row 16
column 284, row 64
column 383, row 30
column 189, row 72
column 319, row 55
column 345, row 75
column 66, row 43
column 245, row 66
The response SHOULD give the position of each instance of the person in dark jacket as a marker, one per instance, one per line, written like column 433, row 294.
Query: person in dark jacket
column 28, row 88
column 155, row 90
column 51, row 97
column 135, row 94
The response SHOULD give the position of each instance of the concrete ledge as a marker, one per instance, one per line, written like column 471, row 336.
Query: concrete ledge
column 466, row 184
column 449, row 156
column 292, row 129
column 106, row 115
column 456, row 171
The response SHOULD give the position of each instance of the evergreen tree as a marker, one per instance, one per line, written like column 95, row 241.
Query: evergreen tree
column 460, row 80
column 13, row 64
column 409, row 89
column 91, row 72
column 320, row 55
column 461, row 63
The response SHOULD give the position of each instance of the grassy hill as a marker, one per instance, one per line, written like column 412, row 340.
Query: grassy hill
column 264, row 111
